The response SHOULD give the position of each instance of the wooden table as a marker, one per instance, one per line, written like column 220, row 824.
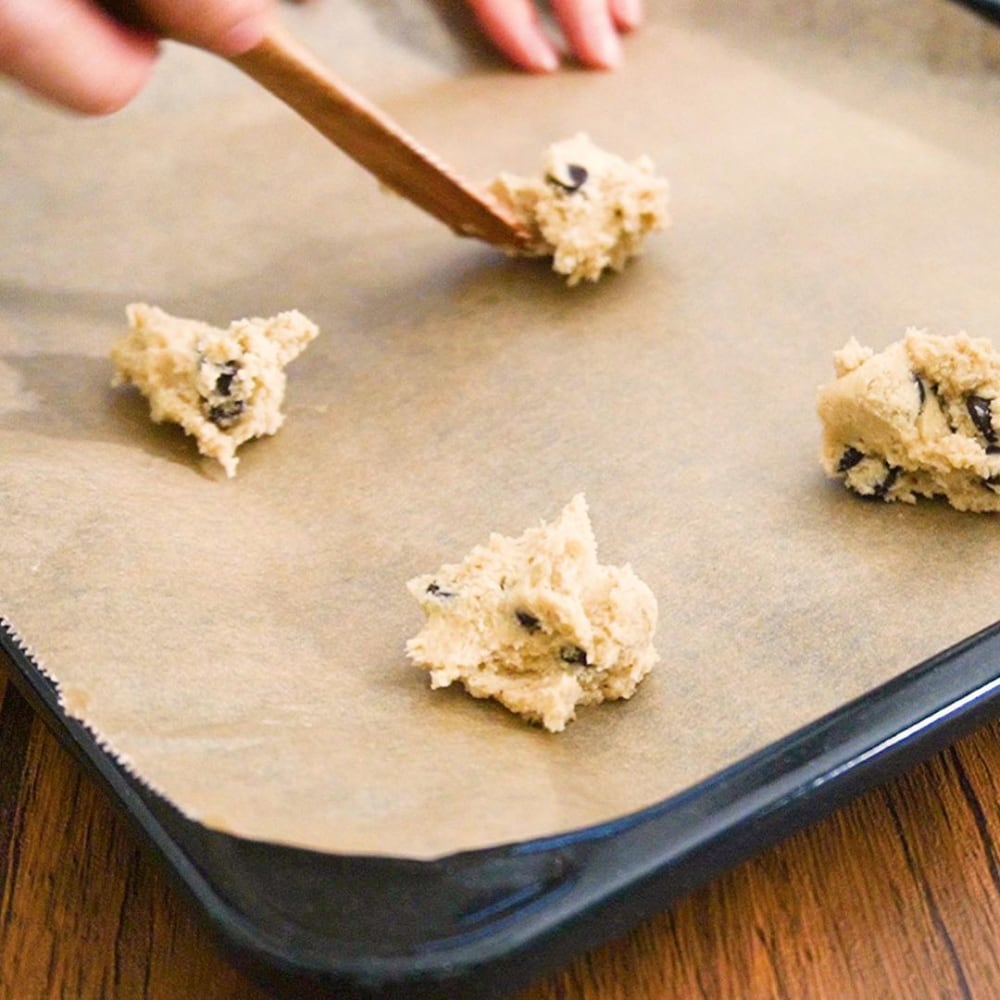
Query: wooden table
column 895, row 895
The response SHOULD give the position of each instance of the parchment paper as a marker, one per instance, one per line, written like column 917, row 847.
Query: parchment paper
column 240, row 644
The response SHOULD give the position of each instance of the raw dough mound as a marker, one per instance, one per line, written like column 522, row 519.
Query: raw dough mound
column 536, row 623
column 591, row 210
column 920, row 418
column 223, row 387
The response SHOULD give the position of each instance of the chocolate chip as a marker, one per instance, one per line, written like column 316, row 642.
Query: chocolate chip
column 577, row 176
column 881, row 491
column 528, row 620
column 980, row 410
column 574, row 655
column 921, row 391
column 992, row 483
column 849, row 459
column 224, row 382
column 224, row 415
column 436, row 590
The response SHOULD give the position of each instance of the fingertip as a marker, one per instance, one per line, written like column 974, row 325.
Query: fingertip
column 100, row 92
column 76, row 57
column 602, row 52
column 244, row 35
column 539, row 57
column 627, row 14
column 225, row 27
column 514, row 28
column 110, row 100
column 591, row 33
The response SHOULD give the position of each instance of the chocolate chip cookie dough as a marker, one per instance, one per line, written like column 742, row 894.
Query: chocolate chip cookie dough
column 223, row 387
column 537, row 623
column 920, row 418
column 591, row 210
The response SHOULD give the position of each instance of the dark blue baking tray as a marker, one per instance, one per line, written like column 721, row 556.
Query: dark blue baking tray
column 488, row 923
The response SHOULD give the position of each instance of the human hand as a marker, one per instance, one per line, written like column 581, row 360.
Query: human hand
column 77, row 55
column 591, row 29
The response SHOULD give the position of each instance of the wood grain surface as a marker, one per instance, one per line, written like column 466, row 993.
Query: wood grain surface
column 895, row 895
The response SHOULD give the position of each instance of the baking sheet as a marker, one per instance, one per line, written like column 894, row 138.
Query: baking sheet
column 240, row 643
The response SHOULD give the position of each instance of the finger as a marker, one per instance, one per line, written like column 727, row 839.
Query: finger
column 627, row 14
column 71, row 53
column 227, row 27
column 590, row 31
column 514, row 27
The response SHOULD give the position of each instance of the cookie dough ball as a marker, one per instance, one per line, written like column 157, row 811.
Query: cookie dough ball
column 590, row 211
column 537, row 623
column 921, row 418
column 223, row 387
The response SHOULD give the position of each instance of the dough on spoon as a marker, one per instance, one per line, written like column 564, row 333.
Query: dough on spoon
column 591, row 210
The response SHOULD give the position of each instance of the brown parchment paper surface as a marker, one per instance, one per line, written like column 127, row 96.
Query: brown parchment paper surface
column 241, row 643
